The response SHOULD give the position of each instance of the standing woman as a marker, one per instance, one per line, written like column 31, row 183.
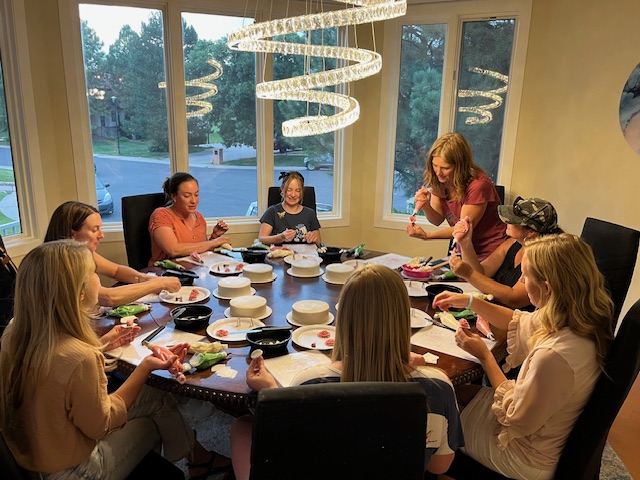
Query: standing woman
column 180, row 229
column 372, row 344
column 290, row 221
column 519, row 427
column 82, row 222
column 455, row 188
column 55, row 413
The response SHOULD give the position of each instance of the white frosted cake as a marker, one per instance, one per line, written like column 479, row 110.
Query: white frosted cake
column 234, row 287
column 248, row 306
column 338, row 273
column 305, row 268
column 310, row 312
column 258, row 272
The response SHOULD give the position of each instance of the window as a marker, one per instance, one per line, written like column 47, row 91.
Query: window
column 453, row 73
column 9, row 213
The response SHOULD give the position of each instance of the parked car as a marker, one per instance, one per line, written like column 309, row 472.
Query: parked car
column 252, row 211
column 281, row 146
column 314, row 162
column 105, row 202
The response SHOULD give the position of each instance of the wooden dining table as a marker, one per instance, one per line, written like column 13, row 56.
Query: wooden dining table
column 281, row 294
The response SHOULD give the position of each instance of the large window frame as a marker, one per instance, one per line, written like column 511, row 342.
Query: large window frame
column 453, row 14
column 21, row 116
column 176, row 93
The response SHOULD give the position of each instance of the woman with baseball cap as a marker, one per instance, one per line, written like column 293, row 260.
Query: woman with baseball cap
column 500, row 272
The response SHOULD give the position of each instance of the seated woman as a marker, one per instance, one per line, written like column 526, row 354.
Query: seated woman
column 519, row 427
column 55, row 413
column 374, row 311
column 179, row 229
column 500, row 272
column 455, row 188
column 82, row 222
column 290, row 221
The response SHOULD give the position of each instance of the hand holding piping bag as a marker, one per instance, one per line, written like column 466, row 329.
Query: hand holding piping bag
column 422, row 197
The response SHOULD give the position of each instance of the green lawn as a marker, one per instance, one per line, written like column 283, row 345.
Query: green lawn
column 289, row 160
column 3, row 218
column 6, row 175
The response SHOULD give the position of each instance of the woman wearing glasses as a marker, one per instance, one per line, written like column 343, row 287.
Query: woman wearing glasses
column 500, row 272
column 457, row 188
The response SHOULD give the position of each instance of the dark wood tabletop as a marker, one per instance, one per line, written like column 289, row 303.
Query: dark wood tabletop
column 280, row 295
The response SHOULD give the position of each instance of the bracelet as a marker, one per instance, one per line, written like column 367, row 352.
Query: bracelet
column 471, row 297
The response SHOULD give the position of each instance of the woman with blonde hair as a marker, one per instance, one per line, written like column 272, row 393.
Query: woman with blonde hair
column 456, row 188
column 53, row 385
column 372, row 343
column 519, row 427
column 290, row 221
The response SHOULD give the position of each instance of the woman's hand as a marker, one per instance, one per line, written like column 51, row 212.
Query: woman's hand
column 417, row 232
column 258, row 377
column 152, row 362
column 219, row 229
column 119, row 336
column 463, row 231
column 422, row 196
column 416, row 360
column 219, row 241
column 288, row 235
column 170, row 284
column 460, row 267
column 446, row 300
column 313, row 237
column 472, row 343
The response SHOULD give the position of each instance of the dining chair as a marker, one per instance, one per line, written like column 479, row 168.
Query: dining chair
column 615, row 249
column 308, row 197
column 136, row 210
column 8, row 272
column 372, row 430
column 10, row 468
column 582, row 454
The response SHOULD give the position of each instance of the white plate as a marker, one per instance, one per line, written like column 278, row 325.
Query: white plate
column 217, row 295
column 184, row 292
column 227, row 313
column 324, row 277
column 420, row 319
column 290, row 319
column 266, row 281
column 320, row 272
column 231, row 325
column 307, row 337
column 290, row 258
column 219, row 268
column 416, row 288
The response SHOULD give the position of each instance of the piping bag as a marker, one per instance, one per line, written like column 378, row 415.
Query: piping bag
column 483, row 327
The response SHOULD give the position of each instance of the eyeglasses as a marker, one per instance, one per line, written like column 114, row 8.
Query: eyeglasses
column 532, row 217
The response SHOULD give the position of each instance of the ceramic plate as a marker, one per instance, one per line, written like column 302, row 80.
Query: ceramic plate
column 222, row 267
column 320, row 272
column 227, row 313
column 215, row 294
column 324, row 277
column 293, row 322
column 231, row 325
column 416, row 288
column 297, row 256
column 307, row 337
column 420, row 319
column 266, row 281
column 181, row 297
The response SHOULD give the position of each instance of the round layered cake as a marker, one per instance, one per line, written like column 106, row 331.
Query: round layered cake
column 310, row 312
column 338, row 273
column 248, row 306
column 234, row 287
column 258, row 272
column 305, row 268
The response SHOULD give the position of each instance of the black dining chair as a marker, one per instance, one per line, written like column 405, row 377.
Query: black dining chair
column 308, row 197
column 372, row 430
column 136, row 210
column 582, row 454
column 615, row 249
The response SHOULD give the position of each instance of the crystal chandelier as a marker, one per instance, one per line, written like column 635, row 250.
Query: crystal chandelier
column 360, row 63
column 203, row 82
column 481, row 112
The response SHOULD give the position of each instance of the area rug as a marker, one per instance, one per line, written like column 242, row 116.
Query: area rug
column 213, row 429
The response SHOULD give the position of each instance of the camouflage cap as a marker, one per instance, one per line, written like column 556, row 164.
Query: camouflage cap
column 534, row 213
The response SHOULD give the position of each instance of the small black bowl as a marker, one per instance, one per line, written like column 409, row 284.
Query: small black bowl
column 254, row 256
column 269, row 339
column 193, row 318
column 436, row 288
column 332, row 255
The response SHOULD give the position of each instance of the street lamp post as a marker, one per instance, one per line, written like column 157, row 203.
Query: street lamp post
column 114, row 101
